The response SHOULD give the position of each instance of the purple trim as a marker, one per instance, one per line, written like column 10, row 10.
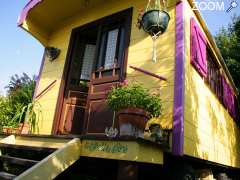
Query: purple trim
column 39, row 76
column 31, row 4
column 148, row 73
column 178, row 112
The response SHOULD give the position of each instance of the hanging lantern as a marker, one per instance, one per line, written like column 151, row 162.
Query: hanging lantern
column 155, row 21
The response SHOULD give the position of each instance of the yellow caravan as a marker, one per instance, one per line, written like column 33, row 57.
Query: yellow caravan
column 92, row 46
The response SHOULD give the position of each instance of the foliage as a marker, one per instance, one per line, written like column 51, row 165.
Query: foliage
column 29, row 114
column 18, row 105
column 134, row 96
column 21, row 89
column 6, row 112
column 228, row 41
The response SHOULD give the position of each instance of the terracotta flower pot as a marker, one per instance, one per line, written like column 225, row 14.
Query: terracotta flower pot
column 24, row 128
column 10, row 130
column 135, row 116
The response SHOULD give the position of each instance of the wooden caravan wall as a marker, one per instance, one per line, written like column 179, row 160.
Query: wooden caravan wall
column 139, row 55
column 209, row 131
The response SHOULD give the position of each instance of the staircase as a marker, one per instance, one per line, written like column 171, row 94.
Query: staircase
column 15, row 159
column 36, row 158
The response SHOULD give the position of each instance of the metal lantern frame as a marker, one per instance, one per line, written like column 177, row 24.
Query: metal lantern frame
column 155, row 21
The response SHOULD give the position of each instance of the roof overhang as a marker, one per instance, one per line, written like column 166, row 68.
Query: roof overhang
column 31, row 4
column 41, row 17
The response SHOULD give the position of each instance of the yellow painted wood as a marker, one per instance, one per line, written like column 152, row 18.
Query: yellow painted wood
column 209, row 131
column 8, row 140
column 40, row 34
column 41, row 142
column 139, row 55
column 64, row 157
column 54, row 164
column 35, row 141
column 122, row 150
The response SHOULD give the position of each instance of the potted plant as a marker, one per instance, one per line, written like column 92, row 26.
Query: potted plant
column 134, row 105
column 11, row 126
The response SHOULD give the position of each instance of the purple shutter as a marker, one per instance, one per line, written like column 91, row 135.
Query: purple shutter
column 225, row 92
column 198, row 49
column 194, row 52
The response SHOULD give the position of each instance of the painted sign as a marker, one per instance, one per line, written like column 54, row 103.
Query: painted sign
column 122, row 150
column 106, row 147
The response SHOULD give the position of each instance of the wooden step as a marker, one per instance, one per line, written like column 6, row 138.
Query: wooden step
column 6, row 176
column 18, row 161
column 32, row 148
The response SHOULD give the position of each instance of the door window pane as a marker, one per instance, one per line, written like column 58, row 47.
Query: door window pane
column 111, row 48
column 102, row 50
column 88, row 59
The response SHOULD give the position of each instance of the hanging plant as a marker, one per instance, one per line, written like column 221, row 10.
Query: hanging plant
column 154, row 20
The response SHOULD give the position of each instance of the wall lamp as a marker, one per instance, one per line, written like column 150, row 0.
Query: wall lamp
column 52, row 53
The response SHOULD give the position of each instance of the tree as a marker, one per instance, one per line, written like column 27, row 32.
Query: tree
column 228, row 41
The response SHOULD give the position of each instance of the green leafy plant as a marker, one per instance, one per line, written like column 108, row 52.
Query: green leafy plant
column 29, row 113
column 18, row 106
column 136, row 96
column 6, row 113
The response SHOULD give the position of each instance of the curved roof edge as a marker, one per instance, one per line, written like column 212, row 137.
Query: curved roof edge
column 31, row 4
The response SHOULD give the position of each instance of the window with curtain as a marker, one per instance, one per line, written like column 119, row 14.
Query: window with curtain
column 88, row 59
column 111, row 48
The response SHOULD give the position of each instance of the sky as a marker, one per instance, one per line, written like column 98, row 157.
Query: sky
column 20, row 52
